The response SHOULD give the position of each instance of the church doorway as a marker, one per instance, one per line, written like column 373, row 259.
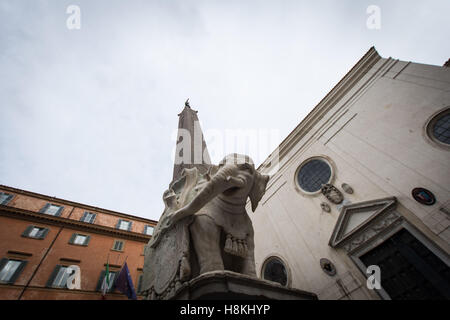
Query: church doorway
column 409, row 269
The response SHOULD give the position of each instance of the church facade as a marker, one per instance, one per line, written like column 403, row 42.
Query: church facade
column 358, row 202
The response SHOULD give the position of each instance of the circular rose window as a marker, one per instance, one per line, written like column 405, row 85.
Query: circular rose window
column 438, row 128
column 313, row 174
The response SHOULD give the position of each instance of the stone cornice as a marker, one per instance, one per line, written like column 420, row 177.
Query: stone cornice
column 76, row 204
column 17, row 213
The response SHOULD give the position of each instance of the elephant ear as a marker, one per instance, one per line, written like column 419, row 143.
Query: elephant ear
column 258, row 189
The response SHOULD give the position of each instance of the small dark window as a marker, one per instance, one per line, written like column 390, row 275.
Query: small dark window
column 88, row 217
column 35, row 232
column 274, row 270
column 5, row 198
column 118, row 245
column 52, row 209
column 10, row 270
column 313, row 174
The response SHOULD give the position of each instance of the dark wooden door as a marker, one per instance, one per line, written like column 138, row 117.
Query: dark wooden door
column 409, row 270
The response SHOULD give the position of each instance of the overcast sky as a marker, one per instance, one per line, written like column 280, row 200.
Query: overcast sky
column 90, row 114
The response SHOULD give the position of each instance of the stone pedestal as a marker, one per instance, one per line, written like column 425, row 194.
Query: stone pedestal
column 227, row 285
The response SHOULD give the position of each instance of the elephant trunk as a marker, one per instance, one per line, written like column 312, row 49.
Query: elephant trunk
column 220, row 182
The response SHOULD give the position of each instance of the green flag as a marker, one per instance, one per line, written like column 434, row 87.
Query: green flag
column 106, row 283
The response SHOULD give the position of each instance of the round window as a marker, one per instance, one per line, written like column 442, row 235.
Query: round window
column 274, row 270
column 439, row 127
column 313, row 174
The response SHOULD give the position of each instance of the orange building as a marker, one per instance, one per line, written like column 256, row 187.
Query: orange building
column 42, row 236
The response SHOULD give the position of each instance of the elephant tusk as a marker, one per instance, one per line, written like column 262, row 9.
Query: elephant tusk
column 236, row 181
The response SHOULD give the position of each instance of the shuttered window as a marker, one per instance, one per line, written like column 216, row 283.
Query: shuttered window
column 123, row 225
column 80, row 239
column 139, row 287
column 148, row 229
column 88, row 217
column 112, row 279
column 117, row 245
column 10, row 270
column 5, row 198
column 35, row 232
column 59, row 276
column 52, row 209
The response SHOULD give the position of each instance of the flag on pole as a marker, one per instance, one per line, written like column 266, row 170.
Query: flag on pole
column 106, row 283
column 124, row 283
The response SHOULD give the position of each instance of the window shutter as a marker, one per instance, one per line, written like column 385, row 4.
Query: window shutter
column 139, row 288
column 129, row 225
column 60, row 210
column 83, row 218
column 86, row 242
column 53, row 276
column 9, row 199
column 93, row 218
column 44, row 208
column 18, row 272
column 27, row 231
column 44, row 233
column 113, row 284
column 100, row 281
column 3, row 262
column 118, row 224
column 72, row 238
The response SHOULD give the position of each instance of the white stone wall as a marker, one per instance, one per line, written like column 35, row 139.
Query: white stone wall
column 374, row 136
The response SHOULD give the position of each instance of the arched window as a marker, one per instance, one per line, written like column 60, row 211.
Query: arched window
column 275, row 270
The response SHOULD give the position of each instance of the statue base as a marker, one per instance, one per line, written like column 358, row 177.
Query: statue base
column 227, row 285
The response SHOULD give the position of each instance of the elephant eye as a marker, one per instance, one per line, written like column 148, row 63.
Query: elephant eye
column 246, row 166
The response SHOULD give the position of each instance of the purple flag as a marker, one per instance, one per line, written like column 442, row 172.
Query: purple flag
column 124, row 283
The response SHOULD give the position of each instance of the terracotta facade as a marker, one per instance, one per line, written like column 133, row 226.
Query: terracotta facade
column 56, row 248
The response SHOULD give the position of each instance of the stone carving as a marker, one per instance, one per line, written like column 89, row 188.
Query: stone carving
column 204, row 226
column 327, row 267
column 332, row 193
column 347, row 188
column 381, row 224
column 325, row 207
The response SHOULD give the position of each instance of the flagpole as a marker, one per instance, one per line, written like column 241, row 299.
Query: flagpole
column 124, row 261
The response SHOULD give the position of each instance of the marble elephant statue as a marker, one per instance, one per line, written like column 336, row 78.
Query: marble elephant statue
column 205, row 225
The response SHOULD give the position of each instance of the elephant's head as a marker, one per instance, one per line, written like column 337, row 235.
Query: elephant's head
column 234, row 180
column 239, row 180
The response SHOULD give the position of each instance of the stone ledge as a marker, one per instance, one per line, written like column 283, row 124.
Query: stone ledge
column 227, row 285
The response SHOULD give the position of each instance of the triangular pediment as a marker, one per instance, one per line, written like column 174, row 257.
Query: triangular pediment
column 356, row 216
